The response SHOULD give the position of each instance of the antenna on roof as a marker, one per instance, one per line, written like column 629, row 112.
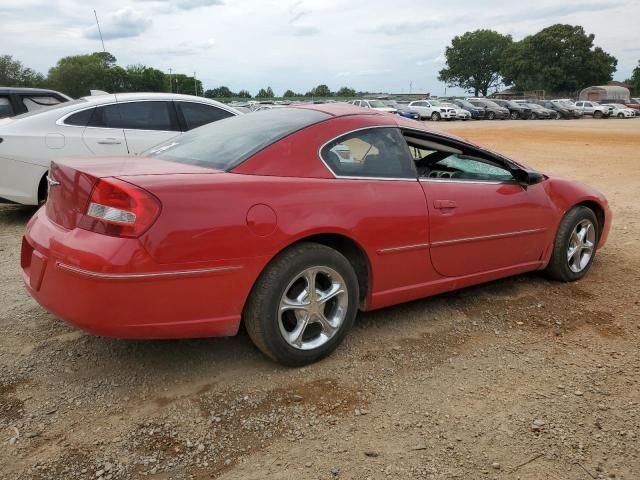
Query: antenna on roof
column 99, row 31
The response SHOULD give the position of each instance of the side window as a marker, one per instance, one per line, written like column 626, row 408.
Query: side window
column 6, row 110
column 356, row 103
column 136, row 116
column 37, row 102
column 79, row 119
column 465, row 167
column 197, row 114
column 376, row 153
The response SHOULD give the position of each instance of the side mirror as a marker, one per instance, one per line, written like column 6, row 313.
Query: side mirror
column 525, row 177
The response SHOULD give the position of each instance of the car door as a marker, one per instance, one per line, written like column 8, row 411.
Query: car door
column 147, row 123
column 376, row 166
column 420, row 107
column 103, row 134
column 194, row 114
column 480, row 217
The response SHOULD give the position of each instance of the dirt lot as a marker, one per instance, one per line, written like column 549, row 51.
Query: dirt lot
column 518, row 379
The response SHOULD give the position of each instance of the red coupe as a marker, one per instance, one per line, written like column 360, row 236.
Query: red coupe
column 292, row 220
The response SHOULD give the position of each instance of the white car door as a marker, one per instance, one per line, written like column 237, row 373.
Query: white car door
column 148, row 123
column 102, row 135
column 421, row 107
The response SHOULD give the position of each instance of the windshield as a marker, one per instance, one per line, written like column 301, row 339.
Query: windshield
column 512, row 104
column 563, row 103
column 535, row 106
column 436, row 103
column 376, row 104
column 391, row 103
column 226, row 143
column 466, row 104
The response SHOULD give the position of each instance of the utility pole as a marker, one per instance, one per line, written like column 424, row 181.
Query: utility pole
column 195, row 83
column 170, row 82
column 410, row 86
column 99, row 30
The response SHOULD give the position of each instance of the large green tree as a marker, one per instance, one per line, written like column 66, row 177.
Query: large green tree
column 473, row 61
column 14, row 74
column 346, row 92
column 219, row 92
column 184, row 84
column 634, row 81
column 145, row 79
column 76, row 75
column 268, row 93
column 559, row 59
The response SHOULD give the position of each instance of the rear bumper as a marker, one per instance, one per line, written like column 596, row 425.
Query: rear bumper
column 111, row 287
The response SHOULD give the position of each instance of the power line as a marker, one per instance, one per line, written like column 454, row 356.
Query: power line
column 99, row 31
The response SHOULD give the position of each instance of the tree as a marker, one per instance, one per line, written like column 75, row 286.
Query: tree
column 14, row 74
column 268, row 93
column 319, row 91
column 244, row 94
column 184, row 84
column 474, row 61
column 219, row 92
column 634, row 81
column 289, row 94
column 145, row 79
column 77, row 74
column 346, row 92
column 558, row 59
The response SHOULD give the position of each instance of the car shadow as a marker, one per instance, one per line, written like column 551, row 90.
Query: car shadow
column 11, row 214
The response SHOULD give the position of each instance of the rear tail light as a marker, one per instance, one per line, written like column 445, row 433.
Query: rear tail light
column 119, row 209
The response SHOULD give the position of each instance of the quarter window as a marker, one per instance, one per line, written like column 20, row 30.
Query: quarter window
column 197, row 114
column 36, row 103
column 6, row 110
column 375, row 153
column 80, row 119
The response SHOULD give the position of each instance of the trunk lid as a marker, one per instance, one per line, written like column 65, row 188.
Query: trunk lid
column 71, row 181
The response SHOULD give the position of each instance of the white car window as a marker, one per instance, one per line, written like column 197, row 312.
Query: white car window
column 36, row 103
column 5, row 107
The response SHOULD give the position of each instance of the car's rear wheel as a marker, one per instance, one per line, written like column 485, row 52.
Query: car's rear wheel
column 557, row 116
column 303, row 304
column 575, row 245
column 597, row 114
column 435, row 116
column 491, row 116
column 534, row 116
column 515, row 115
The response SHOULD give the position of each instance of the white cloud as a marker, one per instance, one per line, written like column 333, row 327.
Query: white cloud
column 124, row 23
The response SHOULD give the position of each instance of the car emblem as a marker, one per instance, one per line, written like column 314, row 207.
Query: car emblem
column 52, row 182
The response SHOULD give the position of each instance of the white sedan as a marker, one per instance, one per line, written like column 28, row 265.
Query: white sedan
column 619, row 110
column 122, row 124
column 374, row 105
column 461, row 113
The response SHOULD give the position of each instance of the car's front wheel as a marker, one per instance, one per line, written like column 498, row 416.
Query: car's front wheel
column 534, row 116
column 515, row 115
column 491, row 116
column 575, row 245
column 303, row 304
column 435, row 116
column 597, row 114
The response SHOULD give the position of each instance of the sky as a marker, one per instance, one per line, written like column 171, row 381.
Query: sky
column 369, row 45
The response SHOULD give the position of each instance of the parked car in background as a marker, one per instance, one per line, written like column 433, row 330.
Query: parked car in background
column 538, row 112
column 517, row 111
column 402, row 110
column 223, row 226
column 461, row 113
column 492, row 110
column 16, row 101
column 563, row 109
column 477, row 113
column 375, row 105
column 619, row 110
column 634, row 103
column 593, row 109
column 96, row 125
column 433, row 110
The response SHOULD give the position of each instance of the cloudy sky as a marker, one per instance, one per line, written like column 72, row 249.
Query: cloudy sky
column 373, row 45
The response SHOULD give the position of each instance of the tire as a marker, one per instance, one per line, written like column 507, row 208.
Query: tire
column 557, row 116
column 491, row 116
column 284, row 282
column 435, row 116
column 621, row 115
column 514, row 116
column 534, row 116
column 563, row 266
column 597, row 114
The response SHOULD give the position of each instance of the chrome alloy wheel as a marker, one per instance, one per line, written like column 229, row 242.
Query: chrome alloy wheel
column 581, row 245
column 313, row 308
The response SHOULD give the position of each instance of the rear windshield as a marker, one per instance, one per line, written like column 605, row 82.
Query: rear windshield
column 226, row 143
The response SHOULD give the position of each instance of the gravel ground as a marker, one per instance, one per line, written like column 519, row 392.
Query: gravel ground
column 521, row 378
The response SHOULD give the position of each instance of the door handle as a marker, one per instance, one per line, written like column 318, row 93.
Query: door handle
column 444, row 204
column 109, row 141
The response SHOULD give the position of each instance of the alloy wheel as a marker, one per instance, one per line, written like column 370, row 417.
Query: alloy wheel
column 313, row 308
column 581, row 245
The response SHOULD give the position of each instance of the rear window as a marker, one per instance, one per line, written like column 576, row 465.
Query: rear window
column 225, row 144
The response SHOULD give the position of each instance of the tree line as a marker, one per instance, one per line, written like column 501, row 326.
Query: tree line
column 78, row 74
column 560, row 59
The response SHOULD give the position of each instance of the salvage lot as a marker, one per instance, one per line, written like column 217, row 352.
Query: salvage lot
column 520, row 378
